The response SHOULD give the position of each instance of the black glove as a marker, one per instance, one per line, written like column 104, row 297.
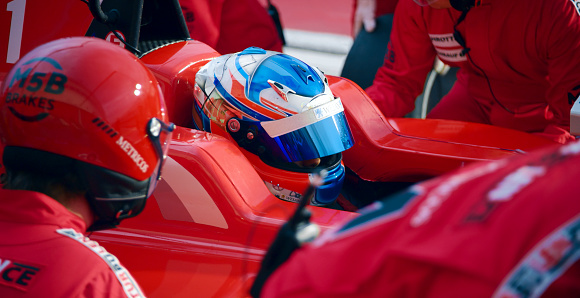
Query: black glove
column 280, row 250
column 296, row 231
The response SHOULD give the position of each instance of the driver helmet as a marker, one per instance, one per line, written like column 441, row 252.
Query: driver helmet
column 282, row 114
column 85, row 105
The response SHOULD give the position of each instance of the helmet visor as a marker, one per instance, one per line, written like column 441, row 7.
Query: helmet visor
column 322, row 138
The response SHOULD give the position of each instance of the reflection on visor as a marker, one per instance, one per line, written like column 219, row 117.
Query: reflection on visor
column 282, row 126
column 154, row 129
column 325, row 137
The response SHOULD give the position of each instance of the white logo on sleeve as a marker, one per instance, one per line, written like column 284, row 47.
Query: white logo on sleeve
column 127, row 281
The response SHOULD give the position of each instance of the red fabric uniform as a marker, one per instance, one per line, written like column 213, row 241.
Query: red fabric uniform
column 527, row 49
column 508, row 228
column 44, row 254
column 383, row 7
column 231, row 26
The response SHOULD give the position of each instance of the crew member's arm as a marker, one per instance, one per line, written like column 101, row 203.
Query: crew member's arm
column 409, row 58
column 364, row 15
column 203, row 19
column 562, row 45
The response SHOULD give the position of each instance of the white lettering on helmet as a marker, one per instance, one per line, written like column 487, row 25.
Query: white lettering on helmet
column 133, row 154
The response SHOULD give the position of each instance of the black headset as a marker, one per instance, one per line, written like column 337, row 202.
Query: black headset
column 462, row 5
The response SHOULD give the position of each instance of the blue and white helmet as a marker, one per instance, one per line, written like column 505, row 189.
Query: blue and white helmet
column 272, row 105
column 281, row 110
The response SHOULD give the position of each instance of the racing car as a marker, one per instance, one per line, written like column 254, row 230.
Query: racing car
column 211, row 219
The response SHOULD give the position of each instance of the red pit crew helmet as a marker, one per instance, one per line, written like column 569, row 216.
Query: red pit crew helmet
column 281, row 112
column 87, row 105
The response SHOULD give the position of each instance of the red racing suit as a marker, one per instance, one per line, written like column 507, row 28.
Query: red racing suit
column 231, row 26
column 522, row 70
column 43, row 253
column 505, row 228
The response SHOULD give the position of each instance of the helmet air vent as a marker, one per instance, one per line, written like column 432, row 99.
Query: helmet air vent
column 302, row 73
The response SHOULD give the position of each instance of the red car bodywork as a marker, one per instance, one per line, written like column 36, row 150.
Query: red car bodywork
column 211, row 218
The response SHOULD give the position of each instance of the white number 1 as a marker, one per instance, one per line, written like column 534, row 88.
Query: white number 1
column 16, row 25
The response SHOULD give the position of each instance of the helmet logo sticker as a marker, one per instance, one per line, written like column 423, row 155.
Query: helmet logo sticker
column 54, row 84
column 112, row 38
column 29, row 83
column 133, row 154
column 105, row 127
column 283, row 193
column 27, row 118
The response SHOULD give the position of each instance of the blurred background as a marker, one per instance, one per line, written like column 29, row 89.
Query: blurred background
column 317, row 31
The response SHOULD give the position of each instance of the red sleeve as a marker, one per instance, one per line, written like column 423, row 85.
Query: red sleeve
column 246, row 23
column 231, row 25
column 409, row 58
column 277, row 285
column 385, row 7
column 561, row 45
column 106, row 284
column 461, row 234
column 203, row 19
